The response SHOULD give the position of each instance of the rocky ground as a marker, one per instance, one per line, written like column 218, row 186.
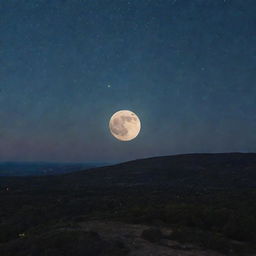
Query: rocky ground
column 141, row 240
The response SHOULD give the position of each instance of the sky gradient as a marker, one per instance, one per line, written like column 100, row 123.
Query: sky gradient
column 186, row 68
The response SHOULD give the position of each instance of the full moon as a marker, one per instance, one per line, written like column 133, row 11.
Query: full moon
column 124, row 125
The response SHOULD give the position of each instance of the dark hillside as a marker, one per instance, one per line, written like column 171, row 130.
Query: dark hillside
column 207, row 200
column 233, row 170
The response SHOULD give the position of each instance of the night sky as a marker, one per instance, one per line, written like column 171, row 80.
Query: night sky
column 187, row 68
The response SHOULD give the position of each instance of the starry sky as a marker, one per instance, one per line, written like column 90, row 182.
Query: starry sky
column 187, row 68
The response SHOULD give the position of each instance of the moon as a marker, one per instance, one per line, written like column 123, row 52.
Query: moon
column 124, row 125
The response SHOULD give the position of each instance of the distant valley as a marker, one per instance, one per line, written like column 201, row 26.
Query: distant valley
column 42, row 168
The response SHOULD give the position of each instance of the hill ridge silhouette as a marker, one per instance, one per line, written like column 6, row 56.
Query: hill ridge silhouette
column 217, row 170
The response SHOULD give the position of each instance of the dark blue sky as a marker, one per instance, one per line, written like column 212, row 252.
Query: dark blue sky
column 187, row 68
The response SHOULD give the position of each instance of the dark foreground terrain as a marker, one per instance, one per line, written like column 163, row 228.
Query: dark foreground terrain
column 199, row 204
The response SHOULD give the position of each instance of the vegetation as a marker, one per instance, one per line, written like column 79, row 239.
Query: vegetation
column 221, row 220
column 215, row 215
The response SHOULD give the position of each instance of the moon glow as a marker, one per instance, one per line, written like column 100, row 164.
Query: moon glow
column 124, row 125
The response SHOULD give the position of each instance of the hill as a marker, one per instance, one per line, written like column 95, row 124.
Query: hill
column 179, row 172
column 213, row 171
column 206, row 201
